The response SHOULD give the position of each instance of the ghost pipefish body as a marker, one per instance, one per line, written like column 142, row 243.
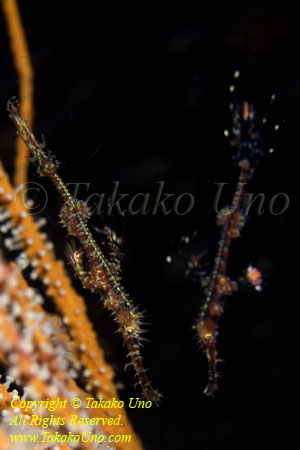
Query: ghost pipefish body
column 102, row 275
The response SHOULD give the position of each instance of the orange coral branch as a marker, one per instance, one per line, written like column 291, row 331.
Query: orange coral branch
column 22, row 320
column 37, row 253
column 35, row 359
column 22, row 62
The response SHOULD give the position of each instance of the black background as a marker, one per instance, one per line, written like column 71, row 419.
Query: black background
column 139, row 94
